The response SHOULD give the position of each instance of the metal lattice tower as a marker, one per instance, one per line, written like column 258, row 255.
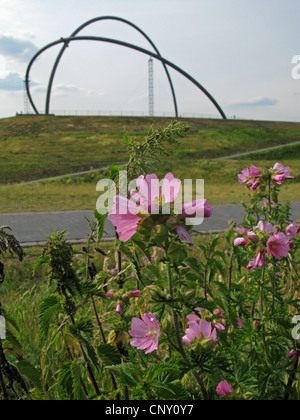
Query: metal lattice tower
column 151, row 88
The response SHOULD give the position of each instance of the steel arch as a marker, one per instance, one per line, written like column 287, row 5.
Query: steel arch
column 67, row 41
column 88, row 23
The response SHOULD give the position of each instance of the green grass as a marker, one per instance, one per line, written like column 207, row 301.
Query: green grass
column 38, row 147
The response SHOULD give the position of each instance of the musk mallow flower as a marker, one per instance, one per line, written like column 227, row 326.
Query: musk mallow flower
column 278, row 245
column 145, row 333
column 257, row 262
column 224, row 389
column 199, row 330
column 247, row 174
column 292, row 230
column 280, row 173
column 126, row 215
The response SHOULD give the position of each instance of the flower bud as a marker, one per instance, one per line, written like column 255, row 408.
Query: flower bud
column 135, row 293
column 189, row 295
column 119, row 309
column 167, row 323
column 207, row 344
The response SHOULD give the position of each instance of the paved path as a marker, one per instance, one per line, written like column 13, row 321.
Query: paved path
column 258, row 151
column 30, row 228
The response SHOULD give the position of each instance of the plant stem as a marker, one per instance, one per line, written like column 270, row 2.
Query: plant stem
column 179, row 339
column 205, row 283
column 3, row 387
column 230, row 270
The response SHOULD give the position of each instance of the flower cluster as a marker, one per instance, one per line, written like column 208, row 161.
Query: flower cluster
column 265, row 238
column 254, row 176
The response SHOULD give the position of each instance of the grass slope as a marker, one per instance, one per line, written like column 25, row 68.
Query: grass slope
column 34, row 147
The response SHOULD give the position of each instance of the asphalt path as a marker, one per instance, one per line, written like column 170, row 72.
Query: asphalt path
column 31, row 229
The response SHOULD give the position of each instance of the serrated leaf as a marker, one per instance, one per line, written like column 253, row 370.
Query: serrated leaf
column 42, row 260
column 109, row 354
column 32, row 374
column 127, row 374
column 47, row 309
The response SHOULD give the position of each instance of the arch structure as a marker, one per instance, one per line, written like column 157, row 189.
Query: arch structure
column 75, row 37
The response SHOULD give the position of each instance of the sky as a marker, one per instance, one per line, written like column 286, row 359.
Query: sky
column 245, row 53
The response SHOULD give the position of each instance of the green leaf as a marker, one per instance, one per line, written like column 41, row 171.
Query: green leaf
column 48, row 308
column 42, row 260
column 82, row 330
column 32, row 374
column 109, row 354
column 127, row 374
column 100, row 224
column 76, row 381
column 176, row 253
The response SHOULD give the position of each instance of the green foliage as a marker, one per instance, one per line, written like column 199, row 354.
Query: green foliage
column 70, row 331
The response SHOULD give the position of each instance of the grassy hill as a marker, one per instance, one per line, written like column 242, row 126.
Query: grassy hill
column 34, row 147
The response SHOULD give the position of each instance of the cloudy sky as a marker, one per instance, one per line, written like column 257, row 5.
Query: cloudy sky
column 244, row 52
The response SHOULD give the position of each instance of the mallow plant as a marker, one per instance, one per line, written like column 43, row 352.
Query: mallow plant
column 166, row 313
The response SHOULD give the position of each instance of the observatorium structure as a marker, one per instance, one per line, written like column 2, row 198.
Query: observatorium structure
column 66, row 42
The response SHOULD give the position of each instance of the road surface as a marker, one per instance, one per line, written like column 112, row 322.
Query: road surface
column 31, row 228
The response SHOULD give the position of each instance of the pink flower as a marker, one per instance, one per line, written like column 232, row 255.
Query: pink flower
column 135, row 293
column 240, row 242
column 240, row 323
column 184, row 236
column 292, row 230
column 219, row 312
column 246, row 175
column 109, row 294
column 224, row 389
column 119, row 309
column 243, row 177
column 292, row 355
column 258, row 262
column 192, row 318
column 280, row 173
column 253, row 184
column 203, row 329
column 196, row 208
column 146, row 333
column 124, row 216
column 219, row 326
column 266, row 202
column 267, row 228
column 278, row 246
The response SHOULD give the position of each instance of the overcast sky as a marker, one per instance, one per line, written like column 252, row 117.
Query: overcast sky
column 241, row 51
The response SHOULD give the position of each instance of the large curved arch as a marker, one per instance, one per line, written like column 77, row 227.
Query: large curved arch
column 67, row 41
column 88, row 23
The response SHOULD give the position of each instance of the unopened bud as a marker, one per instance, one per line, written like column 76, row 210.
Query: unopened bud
column 207, row 344
column 189, row 295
